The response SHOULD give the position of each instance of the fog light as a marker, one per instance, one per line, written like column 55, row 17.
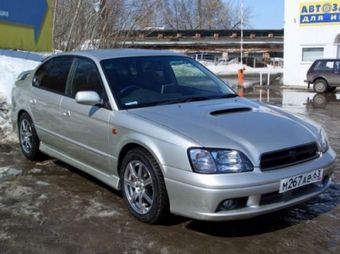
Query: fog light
column 230, row 204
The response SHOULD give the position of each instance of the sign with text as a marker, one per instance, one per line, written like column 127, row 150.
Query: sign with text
column 26, row 24
column 320, row 13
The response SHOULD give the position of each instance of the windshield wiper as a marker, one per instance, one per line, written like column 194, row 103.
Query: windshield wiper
column 195, row 98
column 182, row 100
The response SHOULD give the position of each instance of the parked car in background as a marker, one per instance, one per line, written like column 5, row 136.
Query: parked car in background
column 169, row 134
column 324, row 74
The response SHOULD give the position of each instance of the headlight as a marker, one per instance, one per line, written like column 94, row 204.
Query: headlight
column 217, row 161
column 323, row 141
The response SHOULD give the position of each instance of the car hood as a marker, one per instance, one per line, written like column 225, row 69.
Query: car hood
column 236, row 123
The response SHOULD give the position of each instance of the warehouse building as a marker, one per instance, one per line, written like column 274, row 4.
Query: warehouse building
column 312, row 31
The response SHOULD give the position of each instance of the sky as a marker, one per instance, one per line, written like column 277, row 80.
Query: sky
column 266, row 14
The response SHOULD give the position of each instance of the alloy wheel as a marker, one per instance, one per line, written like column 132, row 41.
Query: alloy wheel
column 139, row 187
column 26, row 138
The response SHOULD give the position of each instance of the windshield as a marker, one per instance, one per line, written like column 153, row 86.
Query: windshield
column 159, row 80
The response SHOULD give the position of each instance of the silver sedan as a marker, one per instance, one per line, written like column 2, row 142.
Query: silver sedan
column 169, row 134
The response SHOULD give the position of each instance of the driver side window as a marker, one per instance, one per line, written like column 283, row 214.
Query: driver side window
column 86, row 77
column 337, row 67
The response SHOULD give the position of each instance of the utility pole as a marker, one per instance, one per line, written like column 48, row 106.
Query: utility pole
column 242, row 21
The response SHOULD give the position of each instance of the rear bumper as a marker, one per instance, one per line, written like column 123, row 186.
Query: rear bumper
column 202, row 203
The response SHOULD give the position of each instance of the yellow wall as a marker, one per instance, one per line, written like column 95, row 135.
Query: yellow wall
column 13, row 36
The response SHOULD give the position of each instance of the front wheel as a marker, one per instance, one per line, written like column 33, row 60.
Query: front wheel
column 28, row 138
column 143, row 187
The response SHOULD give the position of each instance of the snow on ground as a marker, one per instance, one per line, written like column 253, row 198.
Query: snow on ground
column 231, row 69
column 9, row 171
column 10, row 68
column 6, row 131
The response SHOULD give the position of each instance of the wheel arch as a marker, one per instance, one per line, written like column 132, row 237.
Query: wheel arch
column 19, row 114
column 132, row 145
column 21, row 111
column 320, row 78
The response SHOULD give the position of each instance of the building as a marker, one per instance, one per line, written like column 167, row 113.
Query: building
column 312, row 31
column 212, row 44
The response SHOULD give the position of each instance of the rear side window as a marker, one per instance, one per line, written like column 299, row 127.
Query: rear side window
column 53, row 74
column 324, row 66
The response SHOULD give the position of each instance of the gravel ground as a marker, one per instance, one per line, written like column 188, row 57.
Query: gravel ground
column 50, row 207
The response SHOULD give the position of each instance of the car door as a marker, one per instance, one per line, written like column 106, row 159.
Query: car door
column 48, row 86
column 86, row 128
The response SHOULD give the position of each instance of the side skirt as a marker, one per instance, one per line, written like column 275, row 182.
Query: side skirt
column 110, row 180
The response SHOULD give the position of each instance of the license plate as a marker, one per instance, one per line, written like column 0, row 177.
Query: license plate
column 297, row 181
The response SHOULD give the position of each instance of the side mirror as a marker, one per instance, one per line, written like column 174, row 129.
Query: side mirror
column 88, row 98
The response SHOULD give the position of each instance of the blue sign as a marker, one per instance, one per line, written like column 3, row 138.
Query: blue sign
column 320, row 18
column 320, row 12
column 24, row 12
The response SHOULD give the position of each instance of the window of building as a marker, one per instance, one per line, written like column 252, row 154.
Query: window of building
column 311, row 54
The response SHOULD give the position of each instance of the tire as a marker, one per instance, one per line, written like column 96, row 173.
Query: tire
column 320, row 86
column 28, row 138
column 143, row 187
column 331, row 89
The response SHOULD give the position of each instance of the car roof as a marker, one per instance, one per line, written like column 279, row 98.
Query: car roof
column 102, row 54
column 328, row 59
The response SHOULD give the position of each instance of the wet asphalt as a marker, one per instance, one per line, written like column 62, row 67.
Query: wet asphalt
column 50, row 207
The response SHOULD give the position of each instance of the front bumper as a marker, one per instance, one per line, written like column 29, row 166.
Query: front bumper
column 199, row 196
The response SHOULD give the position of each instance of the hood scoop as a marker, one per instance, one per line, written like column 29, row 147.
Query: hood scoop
column 229, row 111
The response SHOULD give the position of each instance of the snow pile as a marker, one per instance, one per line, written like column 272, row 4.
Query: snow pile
column 6, row 131
column 89, row 44
column 231, row 69
column 10, row 68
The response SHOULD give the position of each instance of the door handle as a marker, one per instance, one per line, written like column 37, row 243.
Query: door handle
column 33, row 101
column 67, row 113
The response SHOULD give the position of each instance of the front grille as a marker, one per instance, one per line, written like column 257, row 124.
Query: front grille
column 289, row 156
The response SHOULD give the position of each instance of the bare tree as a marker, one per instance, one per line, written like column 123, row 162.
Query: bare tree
column 100, row 23
column 108, row 23
column 200, row 14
